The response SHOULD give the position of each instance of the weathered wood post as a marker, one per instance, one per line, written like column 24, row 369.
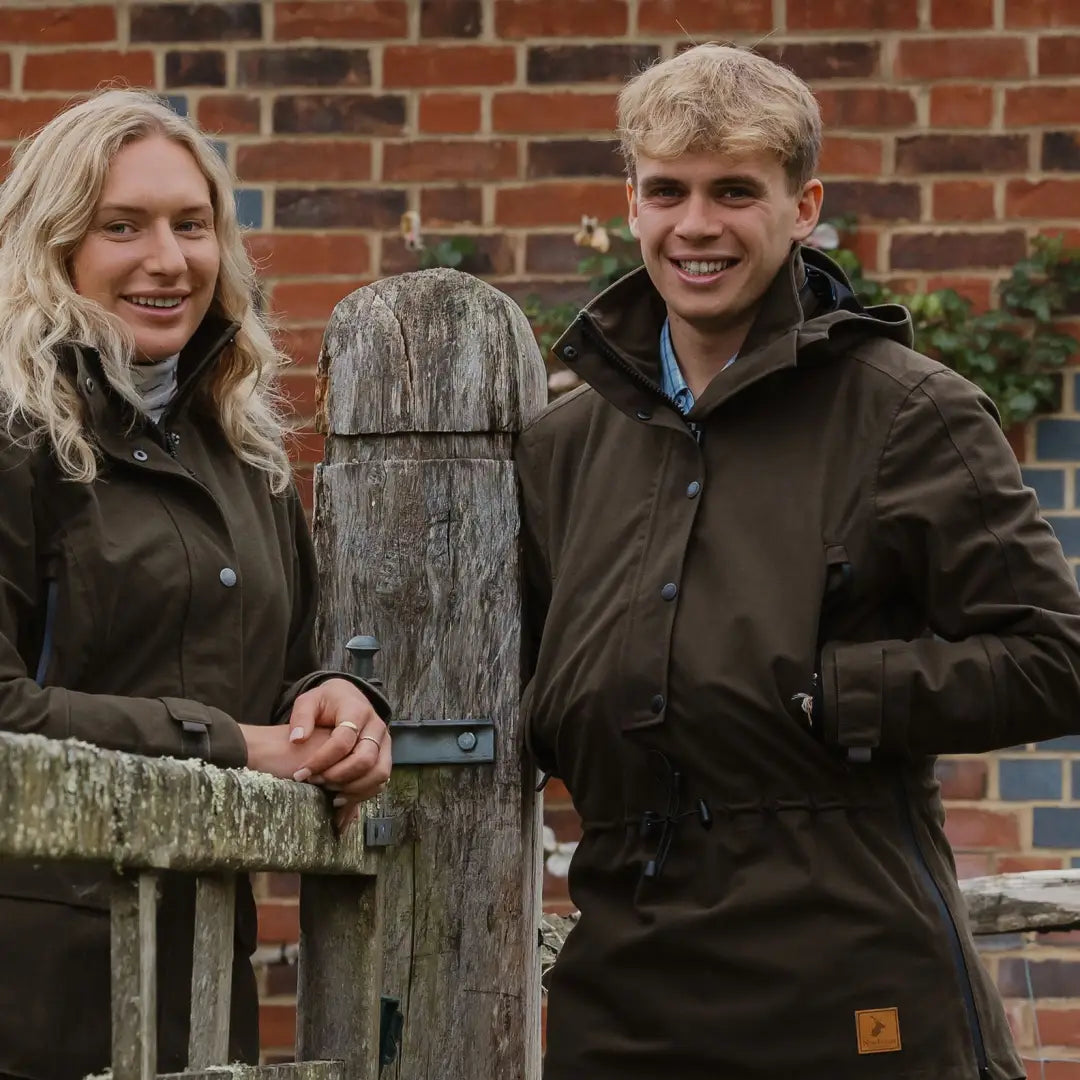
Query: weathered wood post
column 425, row 379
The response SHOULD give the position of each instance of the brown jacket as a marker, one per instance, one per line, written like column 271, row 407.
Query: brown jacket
column 851, row 508
column 185, row 591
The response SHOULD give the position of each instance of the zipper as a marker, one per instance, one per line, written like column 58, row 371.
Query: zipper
column 51, row 603
column 643, row 381
column 955, row 948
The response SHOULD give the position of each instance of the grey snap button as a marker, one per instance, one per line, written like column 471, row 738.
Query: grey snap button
column 693, row 489
column 89, row 386
column 140, row 455
column 644, row 414
column 657, row 703
column 569, row 353
column 228, row 577
column 670, row 591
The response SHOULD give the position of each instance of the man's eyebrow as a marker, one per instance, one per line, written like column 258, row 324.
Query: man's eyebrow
column 740, row 180
column 653, row 182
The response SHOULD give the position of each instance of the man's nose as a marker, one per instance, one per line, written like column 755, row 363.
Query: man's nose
column 699, row 219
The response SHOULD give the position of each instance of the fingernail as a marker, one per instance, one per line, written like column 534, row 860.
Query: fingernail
column 340, row 800
column 301, row 774
column 296, row 734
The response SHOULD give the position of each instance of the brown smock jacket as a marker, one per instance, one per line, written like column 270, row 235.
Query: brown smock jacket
column 836, row 503
column 184, row 592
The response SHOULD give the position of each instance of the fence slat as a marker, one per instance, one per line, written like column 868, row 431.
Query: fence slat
column 134, row 977
column 211, row 973
column 309, row 1070
column 339, row 977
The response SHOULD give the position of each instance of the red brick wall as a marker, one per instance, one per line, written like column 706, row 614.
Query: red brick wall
column 951, row 135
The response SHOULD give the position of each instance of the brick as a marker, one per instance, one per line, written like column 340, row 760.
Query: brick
column 920, row 154
column 451, row 18
column 820, row 60
column 341, row 20
column 279, row 923
column 451, row 206
column 57, row 25
column 558, row 203
column 491, row 255
column 969, row 865
column 1059, row 1027
column 302, row 345
column 1042, row 198
column 5, row 70
column 1057, row 826
column 874, row 108
column 948, row 58
column 1042, row 105
column 1042, row 14
column 306, row 160
column 303, row 67
column 853, row 15
column 196, row 22
column 338, row 208
column 1059, row 55
column 521, row 19
column 1060, row 150
column 963, row 200
column 873, row 201
column 845, row 156
column 229, row 114
column 281, row 884
column 547, row 292
column 298, row 388
column 78, row 69
column 955, row 105
column 562, row 113
column 556, row 794
column 1052, row 1068
column 1049, row 978
column 438, row 159
column 977, row 290
column 961, row 778
column 1049, row 488
column 195, row 68
column 970, row 827
column 1074, row 771
column 280, row 981
column 552, row 253
column 1029, row 779
column 311, row 300
column 306, row 447
column 448, row 65
column 682, row 17
column 574, row 157
column 277, row 1025
column 1059, row 440
column 587, row 63
column 961, row 14
column 249, row 208
column 449, row 114
column 1068, row 938
column 863, row 243
column 956, row 250
column 1021, row 864
column 351, row 114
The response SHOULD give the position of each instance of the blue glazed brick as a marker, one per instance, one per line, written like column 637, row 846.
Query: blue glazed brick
column 1049, row 485
column 1056, row 827
column 1076, row 781
column 1029, row 778
column 1074, row 862
column 178, row 104
column 1065, row 742
column 249, row 210
column 1057, row 440
column 1067, row 530
column 222, row 149
column 1076, row 391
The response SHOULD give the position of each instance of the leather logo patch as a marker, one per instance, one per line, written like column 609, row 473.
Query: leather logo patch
column 878, row 1030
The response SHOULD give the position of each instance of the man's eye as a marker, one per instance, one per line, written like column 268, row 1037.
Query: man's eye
column 738, row 193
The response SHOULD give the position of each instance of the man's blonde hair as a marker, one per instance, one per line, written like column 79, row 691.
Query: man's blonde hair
column 47, row 204
column 721, row 99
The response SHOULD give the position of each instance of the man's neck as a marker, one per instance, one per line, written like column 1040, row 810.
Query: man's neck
column 702, row 354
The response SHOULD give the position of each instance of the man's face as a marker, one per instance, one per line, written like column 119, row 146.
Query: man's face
column 714, row 230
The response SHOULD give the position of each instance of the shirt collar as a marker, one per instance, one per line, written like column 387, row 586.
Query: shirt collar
column 672, row 380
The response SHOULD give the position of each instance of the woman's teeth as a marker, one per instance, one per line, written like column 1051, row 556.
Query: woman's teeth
column 155, row 301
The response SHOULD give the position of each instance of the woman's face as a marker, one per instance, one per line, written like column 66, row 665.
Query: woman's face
column 151, row 255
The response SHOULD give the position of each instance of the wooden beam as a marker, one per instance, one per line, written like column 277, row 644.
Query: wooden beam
column 1034, row 900
column 63, row 799
column 211, row 972
column 309, row 1070
column 134, row 977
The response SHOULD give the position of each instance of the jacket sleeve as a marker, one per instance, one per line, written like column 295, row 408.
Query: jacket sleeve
column 1003, row 664
column 301, row 669
column 156, row 727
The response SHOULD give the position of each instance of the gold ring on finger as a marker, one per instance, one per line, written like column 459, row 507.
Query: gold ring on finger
column 349, row 724
column 370, row 738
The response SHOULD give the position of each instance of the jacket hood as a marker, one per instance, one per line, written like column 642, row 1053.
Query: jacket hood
column 808, row 312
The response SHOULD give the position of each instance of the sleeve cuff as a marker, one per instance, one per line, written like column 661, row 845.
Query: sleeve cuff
column 862, row 713
column 207, row 733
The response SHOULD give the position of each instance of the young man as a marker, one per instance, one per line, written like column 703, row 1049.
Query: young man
column 776, row 561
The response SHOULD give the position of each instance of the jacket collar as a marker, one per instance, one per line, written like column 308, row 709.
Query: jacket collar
column 614, row 343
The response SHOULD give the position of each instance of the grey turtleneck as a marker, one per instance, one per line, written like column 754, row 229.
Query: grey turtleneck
column 156, row 385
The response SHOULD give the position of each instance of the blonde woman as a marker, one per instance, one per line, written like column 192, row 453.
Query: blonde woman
column 157, row 590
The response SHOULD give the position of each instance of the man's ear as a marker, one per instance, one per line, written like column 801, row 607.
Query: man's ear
column 631, row 209
column 808, row 209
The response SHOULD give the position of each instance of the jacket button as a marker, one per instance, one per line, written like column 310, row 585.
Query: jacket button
column 644, row 414
column 227, row 577
column 569, row 353
column 693, row 489
column 140, row 455
column 657, row 704
column 670, row 591
column 89, row 386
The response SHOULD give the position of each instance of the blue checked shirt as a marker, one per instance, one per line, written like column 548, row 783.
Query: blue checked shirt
column 672, row 381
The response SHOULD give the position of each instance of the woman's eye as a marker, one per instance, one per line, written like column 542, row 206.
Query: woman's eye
column 191, row 226
column 117, row 228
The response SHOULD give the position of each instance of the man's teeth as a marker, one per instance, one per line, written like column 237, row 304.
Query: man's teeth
column 695, row 266
column 155, row 301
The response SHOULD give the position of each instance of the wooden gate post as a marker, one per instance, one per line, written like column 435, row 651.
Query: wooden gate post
column 424, row 380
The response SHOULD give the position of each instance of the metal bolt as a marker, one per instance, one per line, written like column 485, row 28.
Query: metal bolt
column 467, row 741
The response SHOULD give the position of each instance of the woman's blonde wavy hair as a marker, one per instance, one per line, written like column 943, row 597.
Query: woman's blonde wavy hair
column 47, row 204
column 721, row 99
